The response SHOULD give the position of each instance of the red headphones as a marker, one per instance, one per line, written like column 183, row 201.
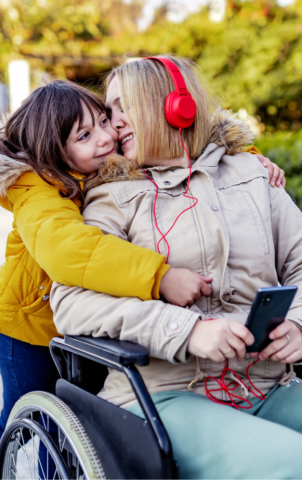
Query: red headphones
column 180, row 111
column 180, row 108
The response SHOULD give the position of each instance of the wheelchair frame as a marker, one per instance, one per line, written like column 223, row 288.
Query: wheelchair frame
column 127, row 445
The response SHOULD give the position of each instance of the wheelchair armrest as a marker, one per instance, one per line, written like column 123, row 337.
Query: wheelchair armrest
column 116, row 354
column 117, row 351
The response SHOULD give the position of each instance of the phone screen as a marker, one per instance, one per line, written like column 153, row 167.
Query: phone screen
column 269, row 309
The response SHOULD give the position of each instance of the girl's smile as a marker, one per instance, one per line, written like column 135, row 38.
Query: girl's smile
column 89, row 143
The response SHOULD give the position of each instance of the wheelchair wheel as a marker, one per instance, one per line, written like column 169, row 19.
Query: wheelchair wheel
column 45, row 439
column 27, row 436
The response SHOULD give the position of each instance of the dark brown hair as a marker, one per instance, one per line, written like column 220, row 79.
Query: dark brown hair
column 36, row 133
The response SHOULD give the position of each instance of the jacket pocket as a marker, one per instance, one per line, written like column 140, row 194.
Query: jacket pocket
column 36, row 306
column 255, row 213
column 38, row 299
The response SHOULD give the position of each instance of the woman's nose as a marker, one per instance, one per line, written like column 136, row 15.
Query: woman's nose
column 117, row 122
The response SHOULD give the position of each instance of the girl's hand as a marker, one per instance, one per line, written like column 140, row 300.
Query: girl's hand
column 276, row 174
column 286, row 346
column 182, row 287
column 219, row 339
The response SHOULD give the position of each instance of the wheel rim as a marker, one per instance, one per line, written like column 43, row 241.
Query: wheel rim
column 61, row 441
column 70, row 437
column 21, row 446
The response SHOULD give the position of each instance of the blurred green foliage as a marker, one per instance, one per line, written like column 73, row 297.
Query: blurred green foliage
column 285, row 149
column 251, row 60
column 64, row 36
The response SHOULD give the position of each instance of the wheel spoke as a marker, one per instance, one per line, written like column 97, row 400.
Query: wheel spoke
column 32, row 437
column 33, row 465
column 61, row 448
column 38, row 457
column 41, row 415
column 25, row 452
column 16, row 474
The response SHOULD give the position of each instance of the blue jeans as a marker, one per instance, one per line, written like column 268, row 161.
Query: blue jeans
column 24, row 368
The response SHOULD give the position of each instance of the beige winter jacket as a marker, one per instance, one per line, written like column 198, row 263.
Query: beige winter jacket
column 243, row 233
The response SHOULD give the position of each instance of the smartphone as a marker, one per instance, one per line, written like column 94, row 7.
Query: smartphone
column 269, row 309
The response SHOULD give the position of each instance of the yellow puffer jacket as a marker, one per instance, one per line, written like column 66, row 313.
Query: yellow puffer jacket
column 50, row 241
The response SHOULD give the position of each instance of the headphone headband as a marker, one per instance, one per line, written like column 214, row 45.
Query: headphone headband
column 178, row 79
column 180, row 108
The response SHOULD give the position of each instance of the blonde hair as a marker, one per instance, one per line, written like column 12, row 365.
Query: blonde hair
column 144, row 86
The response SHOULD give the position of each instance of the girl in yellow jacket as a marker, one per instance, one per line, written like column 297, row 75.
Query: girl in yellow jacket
column 50, row 241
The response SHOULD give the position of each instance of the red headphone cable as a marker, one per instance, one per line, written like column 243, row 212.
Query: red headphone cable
column 227, row 388
column 163, row 236
column 221, row 382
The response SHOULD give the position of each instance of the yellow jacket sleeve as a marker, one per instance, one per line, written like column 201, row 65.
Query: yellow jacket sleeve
column 252, row 149
column 53, row 230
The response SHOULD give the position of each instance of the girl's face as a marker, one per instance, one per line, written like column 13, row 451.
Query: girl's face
column 87, row 147
column 119, row 121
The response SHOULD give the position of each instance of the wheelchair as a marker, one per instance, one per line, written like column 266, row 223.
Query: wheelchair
column 76, row 434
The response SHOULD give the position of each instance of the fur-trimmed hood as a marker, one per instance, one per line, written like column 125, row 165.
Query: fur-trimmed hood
column 10, row 171
column 227, row 130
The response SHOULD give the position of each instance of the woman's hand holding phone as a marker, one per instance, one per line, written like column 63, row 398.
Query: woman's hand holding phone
column 182, row 287
column 219, row 339
column 286, row 346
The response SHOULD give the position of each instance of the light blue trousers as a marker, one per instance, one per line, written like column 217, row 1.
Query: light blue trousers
column 218, row 442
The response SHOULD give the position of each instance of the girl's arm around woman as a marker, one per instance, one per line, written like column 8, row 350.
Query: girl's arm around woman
column 73, row 253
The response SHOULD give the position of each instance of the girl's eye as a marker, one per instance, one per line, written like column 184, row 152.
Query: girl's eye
column 83, row 136
column 104, row 121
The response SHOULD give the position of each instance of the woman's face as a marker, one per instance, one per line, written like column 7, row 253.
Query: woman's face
column 119, row 121
column 87, row 147
column 126, row 138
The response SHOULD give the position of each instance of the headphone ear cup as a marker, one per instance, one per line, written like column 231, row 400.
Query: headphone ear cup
column 180, row 110
column 168, row 110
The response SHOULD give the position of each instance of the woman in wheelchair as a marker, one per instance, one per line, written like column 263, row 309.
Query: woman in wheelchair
column 48, row 231
column 186, row 189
